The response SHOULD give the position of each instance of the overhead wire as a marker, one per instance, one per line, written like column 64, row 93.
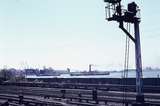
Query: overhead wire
column 126, row 64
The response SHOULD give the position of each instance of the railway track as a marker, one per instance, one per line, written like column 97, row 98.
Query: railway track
column 78, row 96
column 86, row 86
column 11, row 96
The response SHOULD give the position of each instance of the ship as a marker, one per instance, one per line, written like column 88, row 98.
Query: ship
column 85, row 73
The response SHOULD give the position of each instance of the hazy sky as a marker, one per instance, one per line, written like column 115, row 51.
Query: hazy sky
column 72, row 33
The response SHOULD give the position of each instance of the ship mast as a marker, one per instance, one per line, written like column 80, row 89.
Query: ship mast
column 114, row 12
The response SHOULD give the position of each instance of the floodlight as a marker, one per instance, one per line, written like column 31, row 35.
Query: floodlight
column 132, row 7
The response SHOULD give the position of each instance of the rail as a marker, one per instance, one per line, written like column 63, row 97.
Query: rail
column 80, row 96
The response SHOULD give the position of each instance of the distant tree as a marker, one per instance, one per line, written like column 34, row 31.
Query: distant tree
column 6, row 74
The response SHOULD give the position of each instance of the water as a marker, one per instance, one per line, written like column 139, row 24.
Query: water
column 131, row 74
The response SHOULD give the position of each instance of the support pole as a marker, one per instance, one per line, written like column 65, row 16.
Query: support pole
column 129, row 16
column 139, row 96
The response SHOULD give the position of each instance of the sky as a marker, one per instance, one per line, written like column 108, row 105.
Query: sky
column 73, row 34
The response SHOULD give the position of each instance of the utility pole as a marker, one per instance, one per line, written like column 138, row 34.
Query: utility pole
column 114, row 12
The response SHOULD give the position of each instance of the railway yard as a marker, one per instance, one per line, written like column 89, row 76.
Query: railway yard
column 56, row 94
